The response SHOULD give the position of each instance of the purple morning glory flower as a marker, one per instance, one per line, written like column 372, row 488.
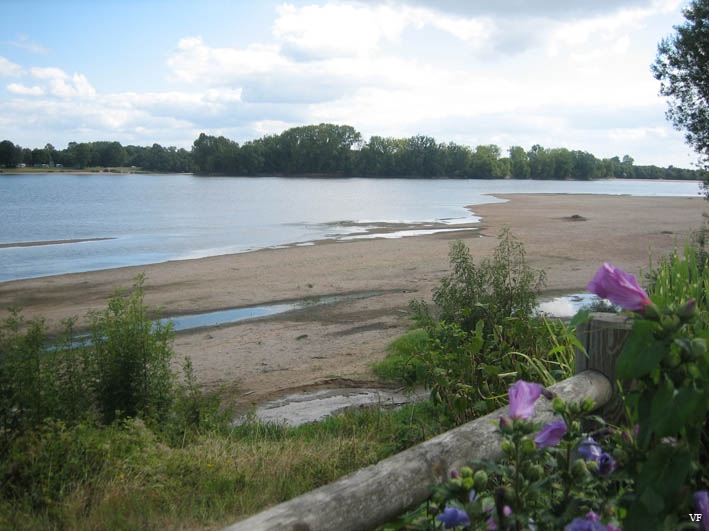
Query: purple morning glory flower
column 551, row 434
column 523, row 395
column 589, row 450
column 701, row 505
column 606, row 464
column 453, row 517
column 583, row 524
column 620, row 288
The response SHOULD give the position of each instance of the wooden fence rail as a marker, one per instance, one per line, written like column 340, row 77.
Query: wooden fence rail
column 379, row 493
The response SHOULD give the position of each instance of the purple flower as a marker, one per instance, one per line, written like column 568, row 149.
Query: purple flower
column 589, row 450
column 523, row 395
column 620, row 288
column 583, row 524
column 606, row 464
column 701, row 505
column 453, row 517
column 551, row 434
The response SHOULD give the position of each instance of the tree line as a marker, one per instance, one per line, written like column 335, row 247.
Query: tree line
column 339, row 151
column 81, row 155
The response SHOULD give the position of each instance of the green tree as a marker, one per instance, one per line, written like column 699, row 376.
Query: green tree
column 519, row 163
column 10, row 154
column 563, row 164
column 457, row 160
column 541, row 163
column 682, row 67
column 485, row 163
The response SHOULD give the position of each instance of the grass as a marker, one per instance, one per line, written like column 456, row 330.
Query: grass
column 124, row 477
column 402, row 362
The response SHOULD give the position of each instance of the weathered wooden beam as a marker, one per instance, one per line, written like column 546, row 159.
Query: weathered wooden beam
column 379, row 493
column 603, row 338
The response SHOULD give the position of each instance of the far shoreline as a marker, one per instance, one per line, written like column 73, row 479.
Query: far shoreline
column 51, row 242
column 138, row 171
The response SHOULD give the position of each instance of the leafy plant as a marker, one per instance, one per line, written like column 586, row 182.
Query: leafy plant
column 131, row 358
column 493, row 290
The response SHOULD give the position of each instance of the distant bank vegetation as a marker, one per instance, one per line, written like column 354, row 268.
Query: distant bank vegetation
column 328, row 150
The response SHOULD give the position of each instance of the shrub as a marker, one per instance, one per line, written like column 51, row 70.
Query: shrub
column 121, row 370
column 131, row 358
column 495, row 289
column 482, row 334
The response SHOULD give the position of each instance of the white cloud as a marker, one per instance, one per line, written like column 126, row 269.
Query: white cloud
column 23, row 90
column 47, row 73
column 336, row 29
column 8, row 68
column 195, row 62
column 60, row 84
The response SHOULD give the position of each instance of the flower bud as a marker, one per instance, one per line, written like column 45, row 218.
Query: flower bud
column 699, row 347
column 505, row 425
column 535, row 472
column 587, row 405
column 508, row 447
column 688, row 311
column 579, row 470
column 558, row 405
column 468, row 483
column 527, row 446
column 480, row 479
column 670, row 323
column 466, row 472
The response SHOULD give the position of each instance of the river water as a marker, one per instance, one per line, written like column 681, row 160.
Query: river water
column 142, row 219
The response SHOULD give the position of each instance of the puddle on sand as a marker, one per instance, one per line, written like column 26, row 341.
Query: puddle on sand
column 312, row 406
column 235, row 315
column 567, row 306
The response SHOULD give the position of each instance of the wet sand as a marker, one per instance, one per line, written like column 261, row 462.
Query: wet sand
column 569, row 236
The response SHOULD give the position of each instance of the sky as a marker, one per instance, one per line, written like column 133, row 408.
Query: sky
column 559, row 73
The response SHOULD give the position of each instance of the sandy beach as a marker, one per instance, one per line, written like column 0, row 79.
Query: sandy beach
column 569, row 236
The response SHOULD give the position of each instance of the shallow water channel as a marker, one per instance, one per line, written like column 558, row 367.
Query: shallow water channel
column 182, row 323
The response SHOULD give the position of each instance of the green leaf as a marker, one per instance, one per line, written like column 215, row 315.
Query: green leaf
column 670, row 410
column 583, row 316
column 663, row 474
column 641, row 353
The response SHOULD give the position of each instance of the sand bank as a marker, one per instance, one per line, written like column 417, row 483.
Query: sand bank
column 569, row 236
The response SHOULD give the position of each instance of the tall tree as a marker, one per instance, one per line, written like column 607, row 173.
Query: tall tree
column 519, row 163
column 682, row 67
column 10, row 154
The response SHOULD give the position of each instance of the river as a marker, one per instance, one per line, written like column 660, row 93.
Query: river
column 108, row 221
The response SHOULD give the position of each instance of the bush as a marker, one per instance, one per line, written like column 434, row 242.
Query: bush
column 130, row 359
column 495, row 289
column 122, row 370
column 482, row 334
